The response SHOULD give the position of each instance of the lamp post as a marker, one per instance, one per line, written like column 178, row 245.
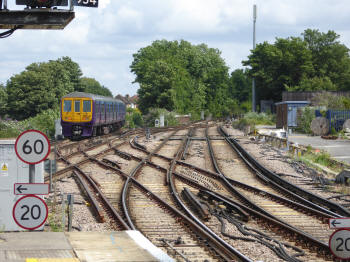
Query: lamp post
column 253, row 82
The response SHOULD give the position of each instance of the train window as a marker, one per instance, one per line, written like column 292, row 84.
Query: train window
column 86, row 106
column 77, row 106
column 67, row 106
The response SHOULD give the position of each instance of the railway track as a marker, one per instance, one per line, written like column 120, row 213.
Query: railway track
column 155, row 175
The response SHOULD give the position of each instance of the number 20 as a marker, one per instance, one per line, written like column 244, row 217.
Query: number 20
column 339, row 247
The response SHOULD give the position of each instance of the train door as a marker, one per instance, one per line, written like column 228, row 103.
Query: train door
column 67, row 109
column 114, row 111
column 103, row 112
column 107, row 112
column 77, row 110
column 86, row 112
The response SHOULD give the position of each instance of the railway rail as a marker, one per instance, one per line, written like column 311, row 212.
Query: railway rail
column 209, row 189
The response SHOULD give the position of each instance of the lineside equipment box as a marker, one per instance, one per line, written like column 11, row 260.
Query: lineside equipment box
column 13, row 170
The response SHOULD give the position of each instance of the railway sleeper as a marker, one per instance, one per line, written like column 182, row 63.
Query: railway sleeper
column 196, row 206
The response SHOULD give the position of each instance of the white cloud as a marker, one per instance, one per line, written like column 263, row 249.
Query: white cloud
column 103, row 40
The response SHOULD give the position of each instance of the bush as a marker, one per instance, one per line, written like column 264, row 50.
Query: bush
column 154, row 113
column 252, row 119
column 305, row 119
column 133, row 118
column 332, row 101
column 44, row 122
column 11, row 129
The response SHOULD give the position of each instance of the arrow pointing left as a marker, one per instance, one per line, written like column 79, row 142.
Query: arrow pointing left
column 31, row 189
column 20, row 188
column 343, row 222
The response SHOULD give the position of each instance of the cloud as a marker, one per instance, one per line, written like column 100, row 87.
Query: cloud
column 102, row 40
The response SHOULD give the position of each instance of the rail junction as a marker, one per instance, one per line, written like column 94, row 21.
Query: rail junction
column 197, row 194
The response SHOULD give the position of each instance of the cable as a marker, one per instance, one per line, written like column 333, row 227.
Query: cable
column 9, row 32
column 253, row 235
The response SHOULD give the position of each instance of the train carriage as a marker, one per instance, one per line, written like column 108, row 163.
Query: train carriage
column 85, row 115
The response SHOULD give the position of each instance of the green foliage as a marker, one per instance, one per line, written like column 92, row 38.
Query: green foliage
column 333, row 131
column 40, row 87
column 246, row 106
column 322, row 158
column 44, row 122
column 329, row 57
column 315, row 61
column 3, row 100
column 305, row 119
column 260, row 118
column 331, row 101
column 314, row 84
column 11, row 129
column 253, row 119
column 133, row 118
column 154, row 113
column 176, row 75
column 92, row 86
column 278, row 65
column 240, row 85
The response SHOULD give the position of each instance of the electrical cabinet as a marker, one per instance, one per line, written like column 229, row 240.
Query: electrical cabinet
column 13, row 170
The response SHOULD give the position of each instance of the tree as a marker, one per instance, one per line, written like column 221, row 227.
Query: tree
column 276, row 66
column 180, row 76
column 90, row 85
column 3, row 100
column 240, row 85
column 73, row 70
column 40, row 87
column 330, row 58
column 314, row 84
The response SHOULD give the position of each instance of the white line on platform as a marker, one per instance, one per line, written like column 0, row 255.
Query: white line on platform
column 332, row 146
column 146, row 244
column 341, row 157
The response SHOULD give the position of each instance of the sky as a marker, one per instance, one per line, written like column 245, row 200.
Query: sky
column 102, row 40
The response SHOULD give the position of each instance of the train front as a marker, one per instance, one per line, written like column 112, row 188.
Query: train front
column 76, row 117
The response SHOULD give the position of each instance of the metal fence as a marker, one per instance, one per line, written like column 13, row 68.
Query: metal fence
column 337, row 118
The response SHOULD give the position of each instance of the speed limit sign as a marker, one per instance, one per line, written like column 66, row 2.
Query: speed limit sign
column 30, row 212
column 32, row 146
column 339, row 243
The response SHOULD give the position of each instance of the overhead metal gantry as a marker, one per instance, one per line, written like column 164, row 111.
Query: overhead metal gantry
column 38, row 14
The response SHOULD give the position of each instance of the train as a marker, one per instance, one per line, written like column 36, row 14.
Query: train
column 86, row 115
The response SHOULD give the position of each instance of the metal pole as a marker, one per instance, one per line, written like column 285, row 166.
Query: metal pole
column 71, row 6
column 55, row 158
column 70, row 199
column 253, row 82
column 5, row 4
column 31, row 173
column 63, row 213
column 50, row 176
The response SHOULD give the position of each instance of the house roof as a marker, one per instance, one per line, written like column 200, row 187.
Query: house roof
column 127, row 99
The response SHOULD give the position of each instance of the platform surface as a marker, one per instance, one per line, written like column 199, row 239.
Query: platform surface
column 78, row 246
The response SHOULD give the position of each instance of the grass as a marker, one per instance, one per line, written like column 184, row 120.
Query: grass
column 52, row 218
column 322, row 158
column 253, row 119
column 54, row 225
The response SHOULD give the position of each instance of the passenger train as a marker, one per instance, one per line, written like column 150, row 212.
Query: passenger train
column 85, row 115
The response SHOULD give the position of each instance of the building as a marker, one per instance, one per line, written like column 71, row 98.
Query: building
column 130, row 102
column 286, row 113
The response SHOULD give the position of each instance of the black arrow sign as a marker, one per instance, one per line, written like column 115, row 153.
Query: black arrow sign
column 334, row 223
column 20, row 188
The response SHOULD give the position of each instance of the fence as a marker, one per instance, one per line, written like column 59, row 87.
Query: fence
column 336, row 118
column 310, row 96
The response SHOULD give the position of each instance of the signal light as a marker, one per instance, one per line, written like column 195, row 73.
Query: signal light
column 42, row 3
